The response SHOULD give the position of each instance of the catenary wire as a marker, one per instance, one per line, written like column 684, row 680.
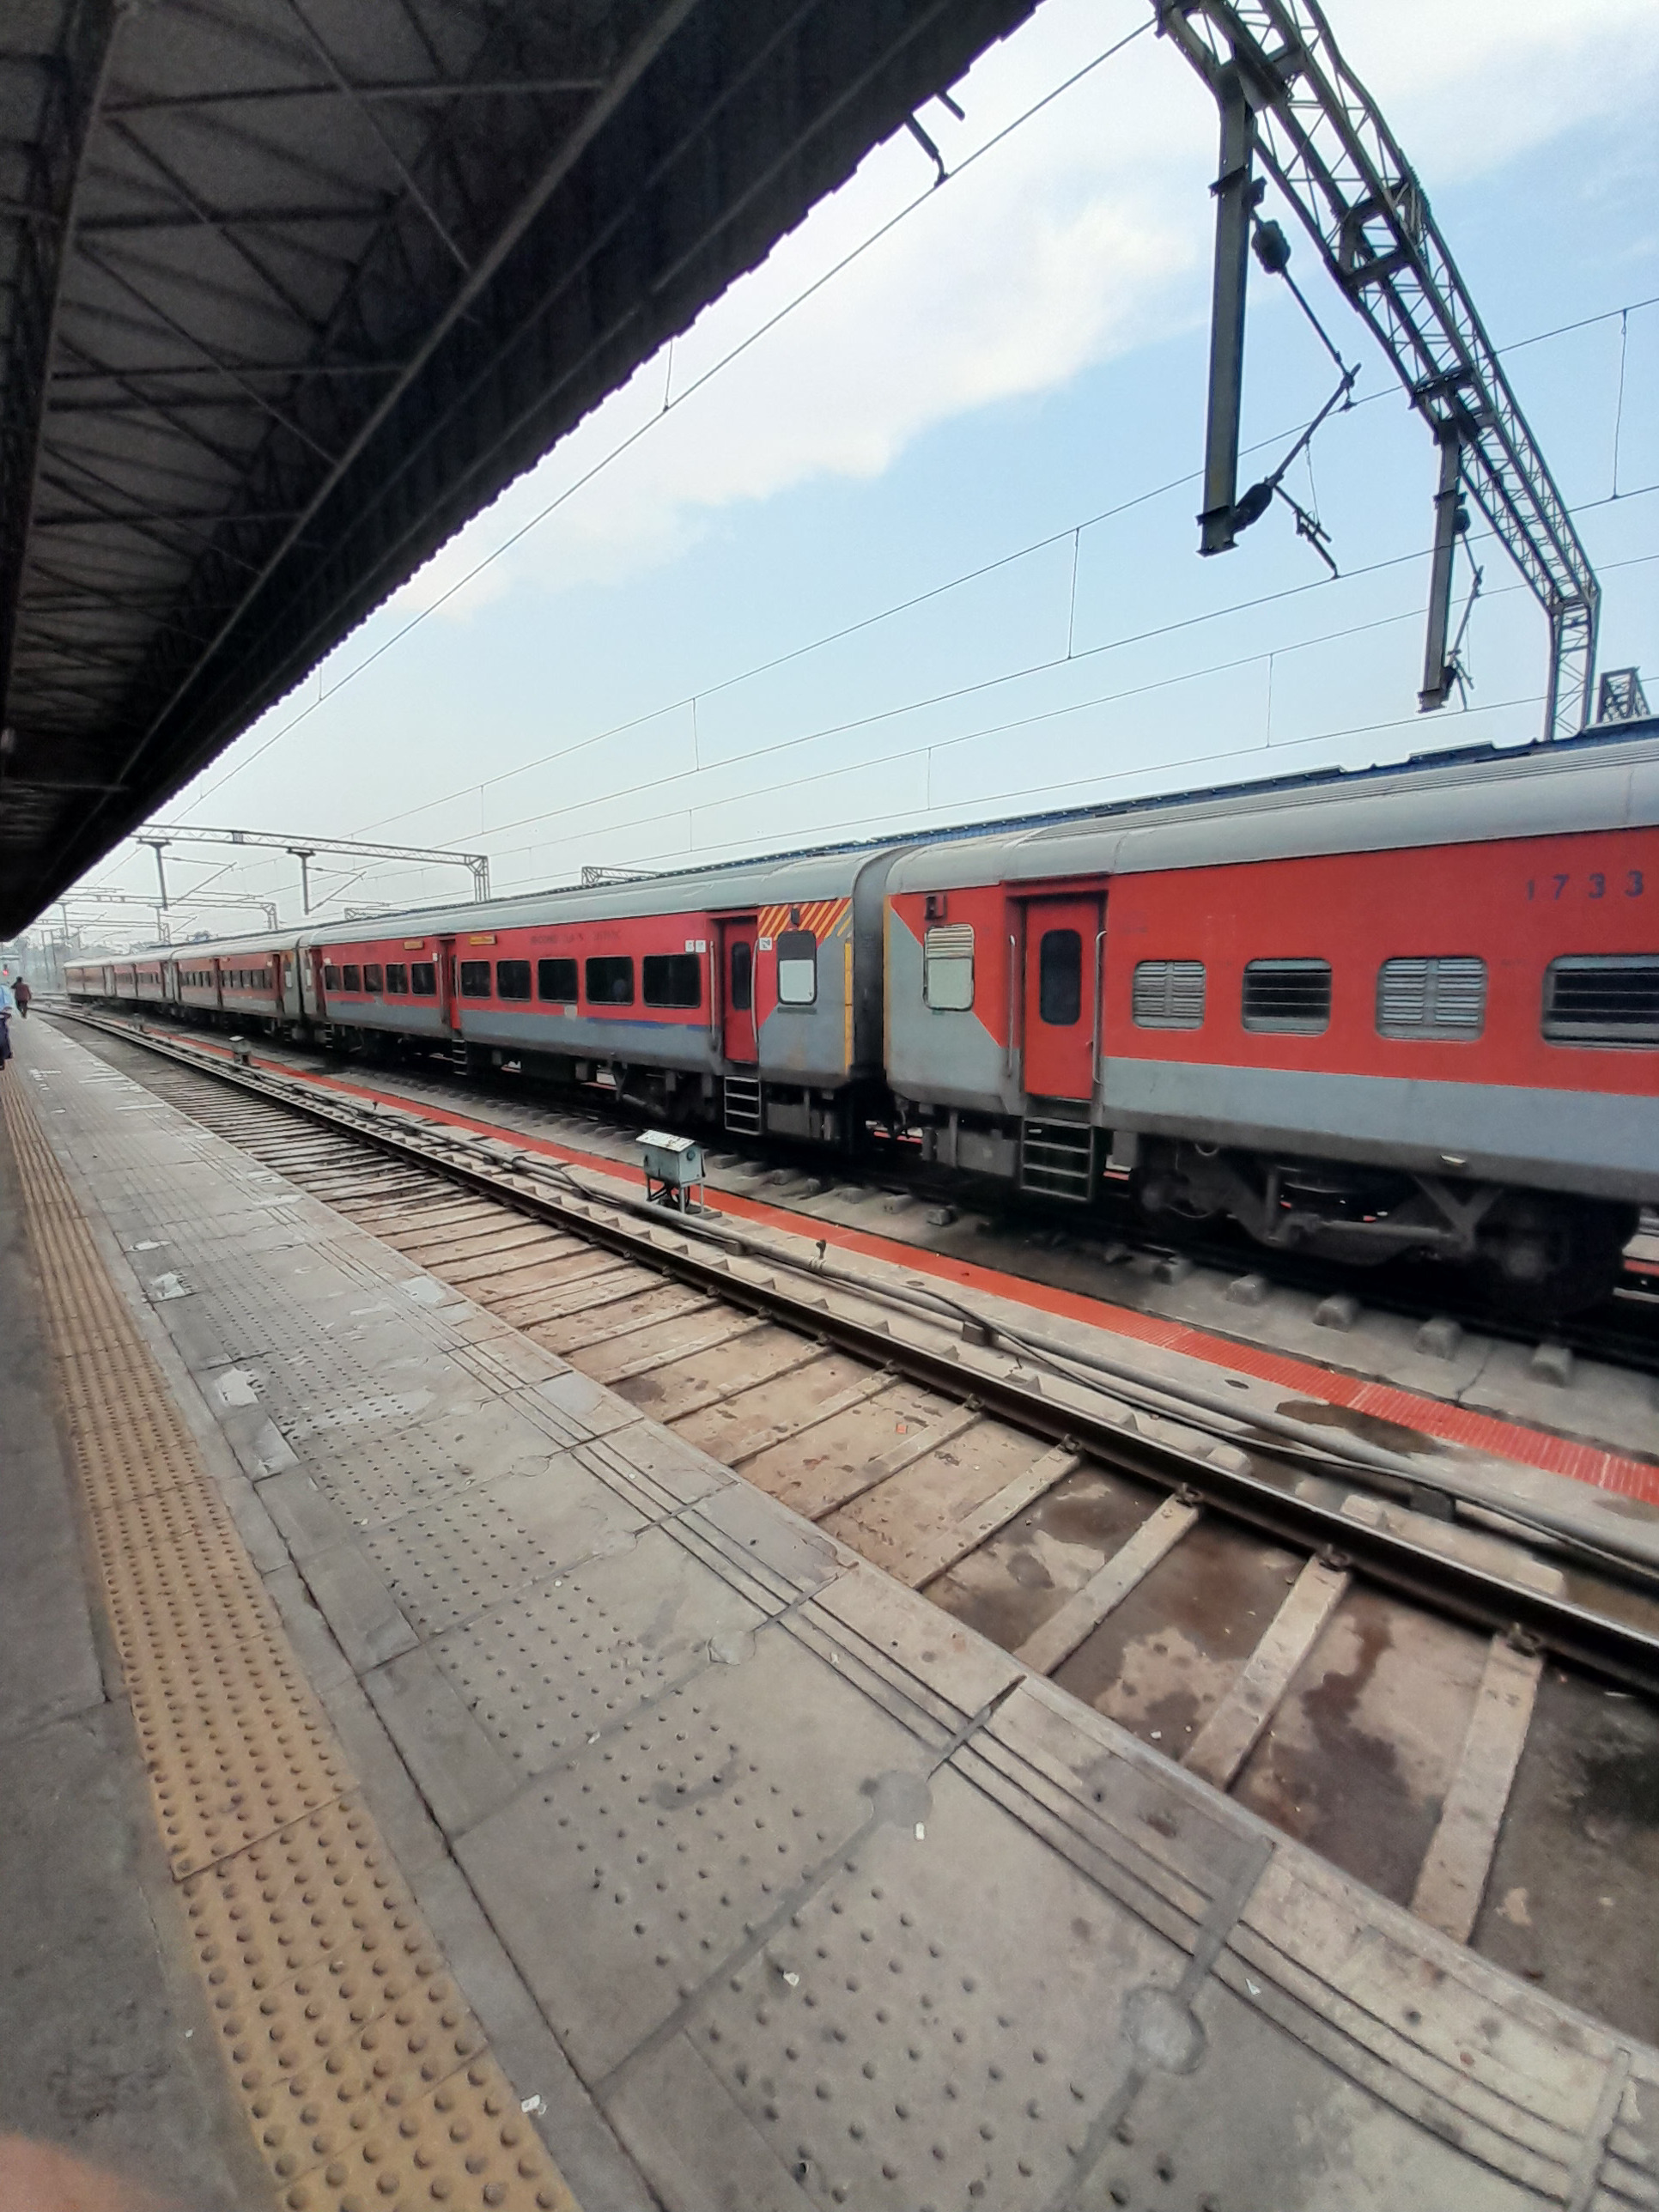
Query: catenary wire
column 952, row 584
column 1047, row 666
column 679, row 398
column 1056, row 714
column 1007, row 728
column 886, row 614
column 1620, row 313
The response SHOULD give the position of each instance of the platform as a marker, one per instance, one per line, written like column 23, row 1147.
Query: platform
column 759, row 1881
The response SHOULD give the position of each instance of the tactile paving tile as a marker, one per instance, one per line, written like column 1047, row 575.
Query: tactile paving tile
column 557, row 1665
column 910, row 2040
column 235, row 1743
column 449, row 1560
column 375, row 1475
column 657, row 1851
column 365, row 2078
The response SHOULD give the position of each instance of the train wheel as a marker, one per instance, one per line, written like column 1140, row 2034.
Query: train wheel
column 1544, row 1256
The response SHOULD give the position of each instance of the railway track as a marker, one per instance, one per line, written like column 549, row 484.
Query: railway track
column 1454, row 1699
column 1624, row 1332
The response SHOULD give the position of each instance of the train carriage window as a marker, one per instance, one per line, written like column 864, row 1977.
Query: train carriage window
column 1441, row 996
column 798, row 968
column 331, row 979
column 671, row 979
column 556, row 979
column 354, row 977
column 422, row 979
column 1287, row 998
column 1602, row 998
column 475, row 979
column 1060, row 977
column 947, row 967
column 1168, row 994
column 743, row 976
column 513, row 979
column 396, row 979
column 373, row 980
column 611, row 980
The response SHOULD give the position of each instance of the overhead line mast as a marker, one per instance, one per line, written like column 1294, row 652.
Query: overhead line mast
column 1287, row 96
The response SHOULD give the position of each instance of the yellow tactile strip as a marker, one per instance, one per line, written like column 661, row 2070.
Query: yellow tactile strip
column 366, row 2079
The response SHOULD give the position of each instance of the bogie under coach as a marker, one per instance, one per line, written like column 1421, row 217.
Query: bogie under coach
column 1403, row 1008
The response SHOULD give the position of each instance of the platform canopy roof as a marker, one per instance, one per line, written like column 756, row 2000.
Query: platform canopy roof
column 289, row 289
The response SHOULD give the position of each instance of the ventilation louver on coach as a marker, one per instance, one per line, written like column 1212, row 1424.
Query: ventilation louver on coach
column 1445, row 996
column 947, row 976
column 1168, row 994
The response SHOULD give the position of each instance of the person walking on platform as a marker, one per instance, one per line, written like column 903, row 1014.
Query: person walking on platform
column 7, row 1003
column 22, row 994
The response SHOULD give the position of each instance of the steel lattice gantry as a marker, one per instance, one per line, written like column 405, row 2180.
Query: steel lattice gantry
column 1287, row 96
column 289, row 289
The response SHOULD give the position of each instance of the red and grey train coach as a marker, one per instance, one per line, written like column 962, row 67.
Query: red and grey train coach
column 747, row 996
column 1412, row 1009
column 1362, row 1013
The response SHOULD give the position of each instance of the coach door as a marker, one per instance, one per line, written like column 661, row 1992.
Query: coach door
column 740, row 1038
column 448, row 1007
column 1061, row 997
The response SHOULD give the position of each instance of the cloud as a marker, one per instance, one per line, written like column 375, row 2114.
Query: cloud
column 1468, row 87
column 1082, row 235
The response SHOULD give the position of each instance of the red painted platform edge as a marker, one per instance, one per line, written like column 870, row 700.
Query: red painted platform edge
column 1458, row 1424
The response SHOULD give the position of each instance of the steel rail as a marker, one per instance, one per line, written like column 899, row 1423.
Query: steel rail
column 1427, row 1294
column 1618, row 1639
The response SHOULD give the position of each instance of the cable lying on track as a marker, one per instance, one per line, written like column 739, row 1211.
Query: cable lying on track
column 1255, row 1464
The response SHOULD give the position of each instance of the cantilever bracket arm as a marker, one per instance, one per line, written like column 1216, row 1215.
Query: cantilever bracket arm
column 1318, row 134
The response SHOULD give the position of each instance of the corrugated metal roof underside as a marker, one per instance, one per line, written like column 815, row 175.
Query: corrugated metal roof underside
column 289, row 289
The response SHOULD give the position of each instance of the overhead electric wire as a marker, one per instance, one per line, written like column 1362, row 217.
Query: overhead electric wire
column 1268, row 745
column 917, row 600
column 956, row 583
column 1016, row 675
column 1022, row 674
column 922, row 199
column 710, row 855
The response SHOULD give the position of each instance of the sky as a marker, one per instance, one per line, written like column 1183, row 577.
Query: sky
column 908, row 539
